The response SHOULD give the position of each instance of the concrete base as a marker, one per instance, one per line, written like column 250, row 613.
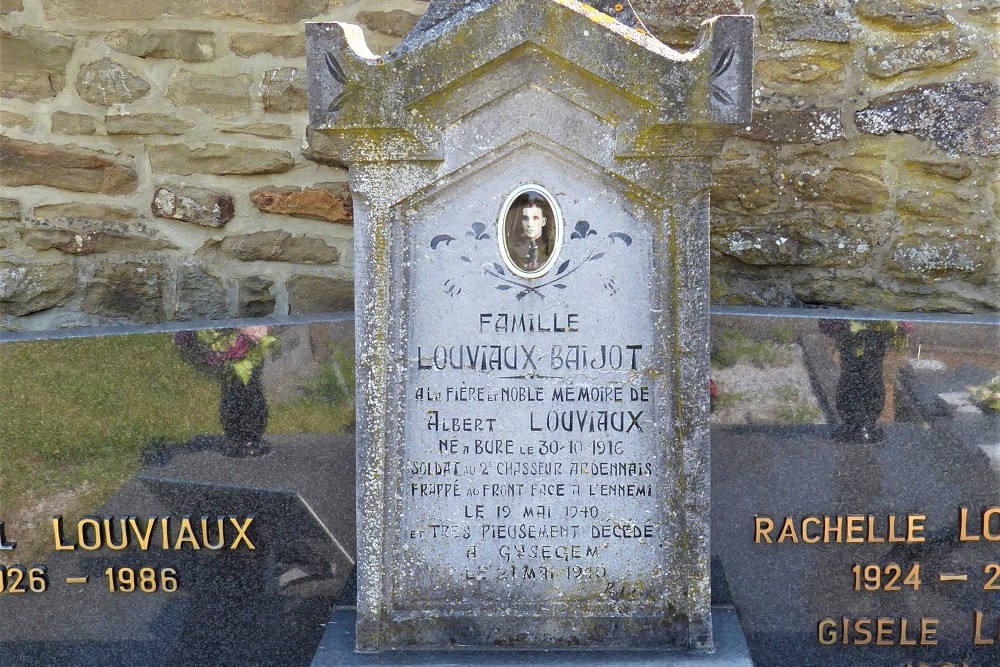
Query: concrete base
column 337, row 649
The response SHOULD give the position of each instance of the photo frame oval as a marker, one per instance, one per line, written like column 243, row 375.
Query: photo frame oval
column 530, row 231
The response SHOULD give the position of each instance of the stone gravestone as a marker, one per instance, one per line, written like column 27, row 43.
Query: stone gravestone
column 531, row 183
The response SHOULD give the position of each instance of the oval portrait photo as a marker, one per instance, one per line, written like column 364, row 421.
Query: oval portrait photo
column 530, row 231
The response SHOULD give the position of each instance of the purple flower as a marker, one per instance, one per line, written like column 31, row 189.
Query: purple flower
column 215, row 358
column 239, row 348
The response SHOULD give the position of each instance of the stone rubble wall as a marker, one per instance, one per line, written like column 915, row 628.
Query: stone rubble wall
column 152, row 169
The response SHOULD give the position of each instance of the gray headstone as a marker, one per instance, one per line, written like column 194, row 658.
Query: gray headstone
column 530, row 186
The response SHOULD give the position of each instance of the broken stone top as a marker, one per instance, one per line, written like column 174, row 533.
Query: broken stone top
column 441, row 11
column 394, row 107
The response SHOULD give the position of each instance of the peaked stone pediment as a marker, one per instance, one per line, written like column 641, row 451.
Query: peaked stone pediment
column 376, row 108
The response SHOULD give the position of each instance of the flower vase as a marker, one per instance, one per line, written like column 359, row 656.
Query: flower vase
column 860, row 388
column 243, row 415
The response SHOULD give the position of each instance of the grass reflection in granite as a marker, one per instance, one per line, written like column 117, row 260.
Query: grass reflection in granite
column 762, row 379
column 75, row 415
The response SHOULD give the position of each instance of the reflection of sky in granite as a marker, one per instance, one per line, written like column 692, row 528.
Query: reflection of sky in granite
column 118, row 435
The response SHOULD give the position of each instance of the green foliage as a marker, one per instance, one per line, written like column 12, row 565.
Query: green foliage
column 728, row 399
column 785, row 334
column 334, row 380
column 787, row 393
column 333, row 383
column 987, row 396
column 734, row 347
column 799, row 413
column 76, row 414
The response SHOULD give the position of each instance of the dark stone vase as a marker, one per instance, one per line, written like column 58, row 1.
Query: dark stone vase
column 860, row 388
column 243, row 415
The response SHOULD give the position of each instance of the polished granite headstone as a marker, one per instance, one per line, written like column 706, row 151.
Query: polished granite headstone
column 530, row 185
column 825, row 552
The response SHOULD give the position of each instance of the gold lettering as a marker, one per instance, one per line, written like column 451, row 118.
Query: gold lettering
column 142, row 538
column 914, row 527
column 884, row 626
column 109, row 535
column 863, row 627
column 827, row 633
column 58, row 535
column 978, row 631
column 764, row 526
column 987, row 529
column 788, row 531
column 186, row 534
column 805, row 530
column 165, row 531
column 963, row 518
column 204, row 534
column 871, row 529
column 855, row 528
column 241, row 529
column 837, row 529
column 928, row 631
column 903, row 640
column 81, row 534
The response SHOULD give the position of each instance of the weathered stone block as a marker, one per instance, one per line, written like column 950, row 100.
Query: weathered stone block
column 932, row 257
column 395, row 23
column 30, row 288
column 275, row 246
column 90, row 241
column 10, row 6
column 106, row 82
column 248, row 44
column 10, row 209
column 837, row 289
column 146, row 123
column 64, row 122
column 11, row 119
column 901, row 14
column 79, row 211
column 780, row 240
column 819, row 20
column 64, row 166
column 131, row 291
column 813, row 126
column 937, row 204
column 261, row 11
column 743, row 188
column 809, row 73
column 255, row 299
column 218, row 159
column 196, row 46
column 956, row 171
column 34, row 63
column 222, row 96
column 200, row 295
column 285, row 90
column 677, row 22
column 985, row 10
column 88, row 229
column 266, row 130
column 938, row 50
column 843, row 190
column 330, row 202
column 190, row 204
column 317, row 294
column 958, row 116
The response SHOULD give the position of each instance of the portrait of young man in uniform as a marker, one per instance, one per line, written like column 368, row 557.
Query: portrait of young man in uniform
column 529, row 232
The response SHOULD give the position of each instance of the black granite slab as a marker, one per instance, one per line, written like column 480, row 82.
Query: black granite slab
column 122, row 427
